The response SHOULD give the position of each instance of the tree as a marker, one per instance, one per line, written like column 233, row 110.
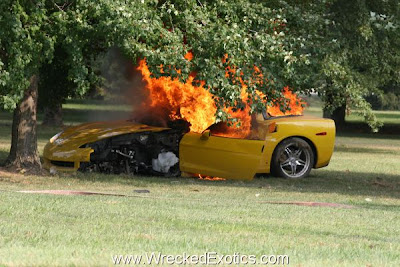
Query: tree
column 221, row 34
column 29, row 31
column 54, row 87
column 24, row 45
column 354, row 50
column 367, row 55
column 351, row 49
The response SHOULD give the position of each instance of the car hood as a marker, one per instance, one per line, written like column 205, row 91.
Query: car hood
column 94, row 131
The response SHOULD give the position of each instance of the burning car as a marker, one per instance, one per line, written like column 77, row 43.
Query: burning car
column 288, row 146
column 284, row 143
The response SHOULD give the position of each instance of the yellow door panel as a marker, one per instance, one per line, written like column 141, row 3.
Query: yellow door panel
column 220, row 156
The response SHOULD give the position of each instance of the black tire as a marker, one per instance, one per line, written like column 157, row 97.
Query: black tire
column 292, row 159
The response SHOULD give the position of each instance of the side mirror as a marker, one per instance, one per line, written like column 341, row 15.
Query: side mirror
column 205, row 135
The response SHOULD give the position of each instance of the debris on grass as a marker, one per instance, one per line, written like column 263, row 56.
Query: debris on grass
column 69, row 192
column 141, row 191
column 309, row 204
column 381, row 183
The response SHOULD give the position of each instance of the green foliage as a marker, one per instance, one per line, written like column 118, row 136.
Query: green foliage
column 364, row 59
column 29, row 31
column 250, row 33
column 54, row 85
column 390, row 101
column 247, row 33
column 342, row 49
column 386, row 101
column 24, row 44
column 351, row 48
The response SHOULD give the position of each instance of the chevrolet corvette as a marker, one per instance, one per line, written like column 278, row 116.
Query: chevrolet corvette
column 287, row 146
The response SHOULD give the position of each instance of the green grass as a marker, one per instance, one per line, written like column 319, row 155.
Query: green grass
column 194, row 216
column 387, row 117
column 84, row 104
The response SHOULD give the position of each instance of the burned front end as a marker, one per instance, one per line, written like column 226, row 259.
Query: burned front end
column 116, row 147
column 149, row 153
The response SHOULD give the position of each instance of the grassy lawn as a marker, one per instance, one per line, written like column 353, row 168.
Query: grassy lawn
column 196, row 216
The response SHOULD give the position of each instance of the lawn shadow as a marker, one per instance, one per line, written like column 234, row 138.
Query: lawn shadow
column 343, row 183
column 321, row 181
column 72, row 116
column 357, row 128
column 368, row 135
column 366, row 150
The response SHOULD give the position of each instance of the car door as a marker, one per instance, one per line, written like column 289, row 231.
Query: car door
column 220, row 156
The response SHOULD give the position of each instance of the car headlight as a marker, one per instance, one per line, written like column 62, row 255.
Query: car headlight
column 54, row 138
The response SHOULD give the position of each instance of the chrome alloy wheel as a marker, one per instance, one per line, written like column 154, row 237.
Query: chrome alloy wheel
column 295, row 160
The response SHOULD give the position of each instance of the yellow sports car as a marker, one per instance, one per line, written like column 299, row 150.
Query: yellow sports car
column 288, row 146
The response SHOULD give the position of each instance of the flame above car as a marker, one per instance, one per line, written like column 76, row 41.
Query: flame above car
column 171, row 99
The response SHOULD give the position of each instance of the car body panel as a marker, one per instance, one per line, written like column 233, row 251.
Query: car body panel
column 307, row 127
column 220, row 156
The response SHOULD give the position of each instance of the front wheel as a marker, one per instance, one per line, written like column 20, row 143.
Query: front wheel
column 293, row 158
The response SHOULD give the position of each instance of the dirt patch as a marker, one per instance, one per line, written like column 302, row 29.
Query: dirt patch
column 68, row 192
column 379, row 182
column 7, row 175
column 12, row 172
column 309, row 204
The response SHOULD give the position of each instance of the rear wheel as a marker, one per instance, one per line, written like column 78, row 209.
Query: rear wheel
column 293, row 158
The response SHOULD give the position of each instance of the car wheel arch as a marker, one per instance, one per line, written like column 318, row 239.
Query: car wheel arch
column 312, row 145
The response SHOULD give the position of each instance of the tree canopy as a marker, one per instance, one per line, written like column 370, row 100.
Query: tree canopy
column 353, row 48
column 247, row 33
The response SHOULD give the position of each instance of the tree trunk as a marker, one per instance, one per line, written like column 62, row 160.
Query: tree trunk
column 24, row 153
column 338, row 115
column 53, row 115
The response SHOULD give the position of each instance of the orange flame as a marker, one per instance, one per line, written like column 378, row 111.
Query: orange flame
column 209, row 178
column 295, row 104
column 180, row 100
column 241, row 128
column 195, row 104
